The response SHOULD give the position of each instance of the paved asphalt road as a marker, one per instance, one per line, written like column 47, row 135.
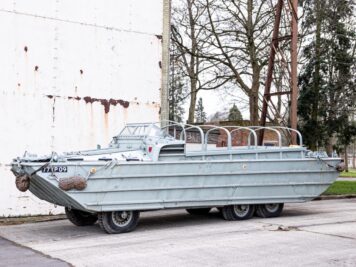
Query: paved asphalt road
column 318, row 233
column 350, row 179
column 11, row 254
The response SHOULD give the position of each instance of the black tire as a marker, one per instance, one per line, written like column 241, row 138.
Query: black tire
column 80, row 218
column 116, row 222
column 237, row 212
column 269, row 210
column 200, row 211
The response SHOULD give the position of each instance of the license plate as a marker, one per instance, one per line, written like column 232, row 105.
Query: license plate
column 51, row 169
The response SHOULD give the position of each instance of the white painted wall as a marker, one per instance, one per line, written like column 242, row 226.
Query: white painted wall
column 54, row 50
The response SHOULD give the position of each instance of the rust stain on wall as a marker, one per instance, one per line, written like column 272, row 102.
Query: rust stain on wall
column 88, row 99
column 106, row 125
column 74, row 98
column 106, row 103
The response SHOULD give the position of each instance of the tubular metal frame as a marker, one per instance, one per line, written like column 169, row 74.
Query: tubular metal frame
column 205, row 136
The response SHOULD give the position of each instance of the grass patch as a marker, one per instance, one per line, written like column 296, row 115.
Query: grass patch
column 350, row 173
column 341, row 188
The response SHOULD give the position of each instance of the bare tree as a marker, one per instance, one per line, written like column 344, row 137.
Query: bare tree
column 226, row 44
column 240, row 33
column 189, row 35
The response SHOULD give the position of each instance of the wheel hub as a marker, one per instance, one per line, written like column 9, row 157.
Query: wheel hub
column 121, row 218
column 241, row 210
column 124, row 215
column 272, row 207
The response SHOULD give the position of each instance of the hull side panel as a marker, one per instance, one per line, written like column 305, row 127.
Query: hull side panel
column 143, row 186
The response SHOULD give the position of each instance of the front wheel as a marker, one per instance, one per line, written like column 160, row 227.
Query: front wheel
column 116, row 222
column 269, row 210
column 80, row 218
column 237, row 212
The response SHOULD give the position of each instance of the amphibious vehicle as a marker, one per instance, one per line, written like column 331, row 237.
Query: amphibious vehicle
column 149, row 167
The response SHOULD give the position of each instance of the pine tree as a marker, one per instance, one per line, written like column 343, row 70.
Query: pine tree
column 200, row 115
column 327, row 82
column 235, row 114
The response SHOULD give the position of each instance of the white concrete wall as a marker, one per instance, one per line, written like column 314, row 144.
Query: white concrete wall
column 60, row 60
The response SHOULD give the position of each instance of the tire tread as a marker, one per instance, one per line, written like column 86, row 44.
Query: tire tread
column 262, row 212
column 105, row 223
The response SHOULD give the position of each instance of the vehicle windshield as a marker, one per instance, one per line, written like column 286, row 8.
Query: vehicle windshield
column 141, row 130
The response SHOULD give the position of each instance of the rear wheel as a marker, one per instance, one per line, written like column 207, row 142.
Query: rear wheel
column 200, row 211
column 237, row 212
column 269, row 210
column 80, row 218
column 116, row 222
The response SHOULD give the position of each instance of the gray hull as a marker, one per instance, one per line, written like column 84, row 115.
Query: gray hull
column 189, row 183
column 144, row 168
column 147, row 167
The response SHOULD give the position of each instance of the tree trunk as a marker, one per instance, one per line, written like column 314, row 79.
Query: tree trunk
column 192, row 71
column 354, row 156
column 329, row 147
column 315, row 107
column 253, row 101
column 253, row 96
column 346, row 160
column 193, row 100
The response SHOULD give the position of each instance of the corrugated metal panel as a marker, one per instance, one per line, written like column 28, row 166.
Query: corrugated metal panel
column 72, row 72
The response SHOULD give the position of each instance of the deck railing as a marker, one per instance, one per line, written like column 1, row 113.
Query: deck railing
column 253, row 130
column 206, row 130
